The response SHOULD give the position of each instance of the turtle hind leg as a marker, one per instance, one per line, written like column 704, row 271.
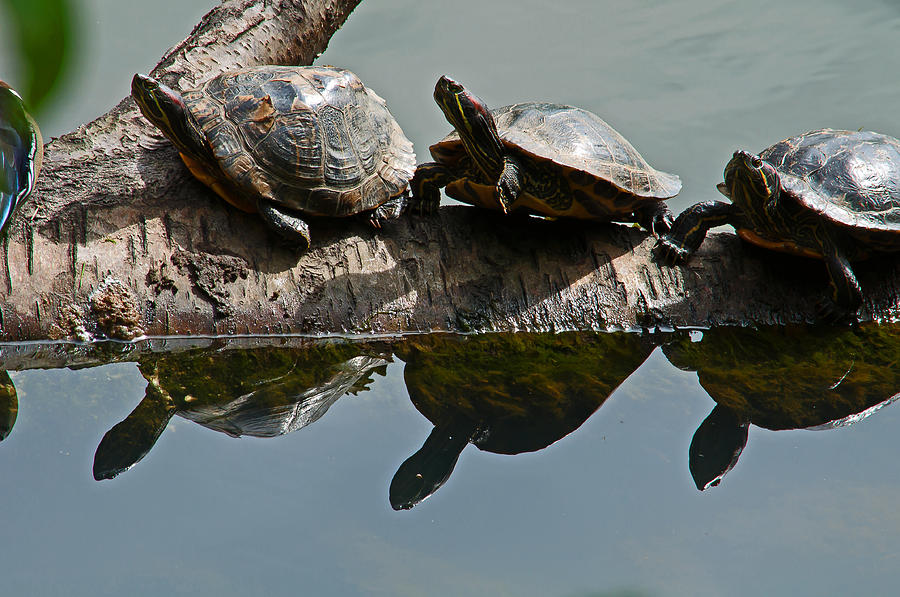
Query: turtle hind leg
column 391, row 209
column 655, row 217
column 286, row 223
column 690, row 229
column 426, row 185
column 846, row 294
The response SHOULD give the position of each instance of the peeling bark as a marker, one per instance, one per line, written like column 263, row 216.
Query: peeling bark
column 119, row 240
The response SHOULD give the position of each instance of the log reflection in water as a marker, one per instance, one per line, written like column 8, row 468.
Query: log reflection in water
column 505, row 393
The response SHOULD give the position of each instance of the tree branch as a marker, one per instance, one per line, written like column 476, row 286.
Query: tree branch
column 119, row 240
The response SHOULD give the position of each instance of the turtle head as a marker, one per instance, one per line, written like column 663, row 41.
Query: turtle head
column 165, row 108
column 472, row 119
column 427, row 470
column 751, row 181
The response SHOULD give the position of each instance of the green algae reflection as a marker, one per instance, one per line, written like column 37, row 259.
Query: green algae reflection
column 262, row 392
column 783, row 378
column 505, row 393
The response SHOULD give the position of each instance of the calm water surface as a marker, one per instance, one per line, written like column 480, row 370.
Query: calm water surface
column 611, row 508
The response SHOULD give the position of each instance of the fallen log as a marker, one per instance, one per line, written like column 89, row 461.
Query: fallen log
column 119, row 240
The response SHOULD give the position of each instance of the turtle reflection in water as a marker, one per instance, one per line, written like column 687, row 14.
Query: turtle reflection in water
column 262, row 392
column 9, row 405
column 783, row 378
column 505, row 393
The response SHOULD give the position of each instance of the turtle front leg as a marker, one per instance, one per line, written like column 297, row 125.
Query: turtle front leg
column 510, row 183
column 391, row 209
column 690, row 229
column 846, row 294
column 286, row 223
column 426, row 186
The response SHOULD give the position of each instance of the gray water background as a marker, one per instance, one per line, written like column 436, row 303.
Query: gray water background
column 608, row 510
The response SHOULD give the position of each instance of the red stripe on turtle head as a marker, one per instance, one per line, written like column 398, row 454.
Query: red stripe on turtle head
column 472, row 119
column 156, row 101
column 165, row 108
column 459, row 104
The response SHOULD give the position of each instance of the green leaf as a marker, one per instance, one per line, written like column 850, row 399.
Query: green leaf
column 44, row 37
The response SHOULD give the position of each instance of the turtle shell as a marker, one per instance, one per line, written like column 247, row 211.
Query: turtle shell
column 851, row 178
column 584, row 147
column 313, row 139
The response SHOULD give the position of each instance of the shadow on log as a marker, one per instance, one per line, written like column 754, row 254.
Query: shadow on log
column 119, row 240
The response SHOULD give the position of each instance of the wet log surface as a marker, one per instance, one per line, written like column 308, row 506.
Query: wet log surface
column 119, row 240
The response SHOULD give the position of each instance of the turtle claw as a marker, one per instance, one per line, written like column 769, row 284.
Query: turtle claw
column 662, row 223
column 689, row 229
column 425, row 187
column 425, row 206
column 656, row 219
column 669, row 252
column 424, row 201
column 287, row 224
column 502, row 196
column 391, row 209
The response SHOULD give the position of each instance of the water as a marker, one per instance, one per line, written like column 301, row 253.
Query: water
column 609, row 506
column 686, row 82
column 609, row 509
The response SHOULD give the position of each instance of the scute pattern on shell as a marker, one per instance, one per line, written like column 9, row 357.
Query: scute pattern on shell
column 850, row 177
column 313, row 139
column 577, row 140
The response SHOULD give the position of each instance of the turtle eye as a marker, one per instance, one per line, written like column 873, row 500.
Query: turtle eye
column 451, row 85
column 756, row 162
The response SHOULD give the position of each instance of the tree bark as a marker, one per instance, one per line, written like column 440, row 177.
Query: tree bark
column 119, row 240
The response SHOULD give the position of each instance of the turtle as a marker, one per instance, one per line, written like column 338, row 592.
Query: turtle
column 543, row 159
column 829, row 194
column 21, row 153
column 286, row 142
